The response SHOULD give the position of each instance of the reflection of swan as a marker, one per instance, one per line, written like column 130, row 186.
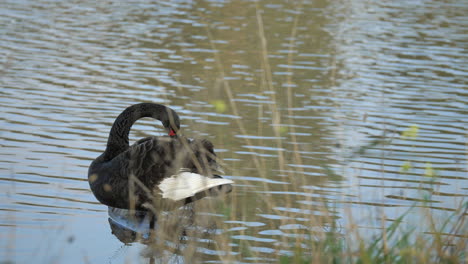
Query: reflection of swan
column 155, row 171
column 130, row 226
column 172, row 234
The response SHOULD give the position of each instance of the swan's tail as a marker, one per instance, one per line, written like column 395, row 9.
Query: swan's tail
column 190, row 186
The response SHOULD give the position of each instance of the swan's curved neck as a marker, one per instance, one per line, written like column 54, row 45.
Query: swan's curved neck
column 118, row 136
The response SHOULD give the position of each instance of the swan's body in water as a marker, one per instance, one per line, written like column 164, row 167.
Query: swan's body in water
column 168, row 169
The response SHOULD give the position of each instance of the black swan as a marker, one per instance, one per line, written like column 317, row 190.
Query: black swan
column 154, row 170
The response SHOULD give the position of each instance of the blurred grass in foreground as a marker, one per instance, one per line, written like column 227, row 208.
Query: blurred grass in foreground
column 321, row 239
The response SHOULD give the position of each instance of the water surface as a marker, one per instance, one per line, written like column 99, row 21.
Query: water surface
column 306, row 104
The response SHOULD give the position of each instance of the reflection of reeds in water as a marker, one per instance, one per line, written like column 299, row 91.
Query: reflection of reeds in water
column 318, row 236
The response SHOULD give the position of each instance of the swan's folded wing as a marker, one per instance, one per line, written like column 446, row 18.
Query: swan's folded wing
column 187, row 184
column 148, row 158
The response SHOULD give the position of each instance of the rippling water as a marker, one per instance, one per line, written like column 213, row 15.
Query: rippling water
column 302, row 102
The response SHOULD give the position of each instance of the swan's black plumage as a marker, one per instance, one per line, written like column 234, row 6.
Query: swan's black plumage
column 150, row 160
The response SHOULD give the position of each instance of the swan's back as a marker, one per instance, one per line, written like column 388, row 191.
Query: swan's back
column 173, row 169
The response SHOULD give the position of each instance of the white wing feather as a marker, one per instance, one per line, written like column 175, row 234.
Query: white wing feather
column 187, row 184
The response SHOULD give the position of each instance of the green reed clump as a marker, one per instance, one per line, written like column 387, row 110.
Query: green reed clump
column 399, row 245
column 394, row 244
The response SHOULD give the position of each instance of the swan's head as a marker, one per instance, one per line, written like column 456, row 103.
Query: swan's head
column 171, row 122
